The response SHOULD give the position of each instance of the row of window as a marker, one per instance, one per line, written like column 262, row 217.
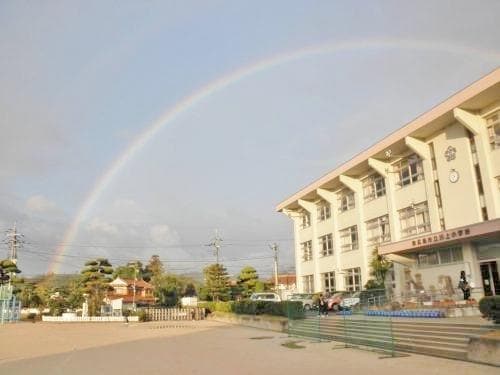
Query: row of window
column 414, row 220
column 352, row 281
column 352, row 276
column 493, row 124
column 408, row 171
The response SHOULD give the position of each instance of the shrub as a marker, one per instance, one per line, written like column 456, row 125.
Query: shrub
column 291, row 309
column 490, row 307
column 140, row 313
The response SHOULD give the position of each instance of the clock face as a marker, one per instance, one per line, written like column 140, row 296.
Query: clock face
column 454, row 176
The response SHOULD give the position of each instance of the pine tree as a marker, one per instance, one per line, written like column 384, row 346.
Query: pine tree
column 216, row 282
column 247, row 280
column 95, row 277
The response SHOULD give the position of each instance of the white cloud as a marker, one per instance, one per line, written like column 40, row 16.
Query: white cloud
column 100, row 226
column 162, row 234
column 39, row 203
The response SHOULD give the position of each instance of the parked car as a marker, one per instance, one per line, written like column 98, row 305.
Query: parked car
column 305, row 298
column 270, row 297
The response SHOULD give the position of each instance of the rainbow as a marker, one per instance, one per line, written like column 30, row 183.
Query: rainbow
column 233, row 77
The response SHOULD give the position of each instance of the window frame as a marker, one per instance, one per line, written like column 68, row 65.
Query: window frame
column 409, row 170
column 328, row 281
column 352, row 279
column 305, row 220
column 350, row 233
column 370, row 189
column 382, row 227
column 324, row 211
column 308, row 283
column 437, row 255
column 346, row 200
column 410, row 215
column 493, row 127
column 326, row 245
column 306, row 250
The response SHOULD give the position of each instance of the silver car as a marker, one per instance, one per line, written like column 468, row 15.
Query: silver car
column 305, row 298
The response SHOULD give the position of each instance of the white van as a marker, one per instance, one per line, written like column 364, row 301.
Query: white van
column 270, row 297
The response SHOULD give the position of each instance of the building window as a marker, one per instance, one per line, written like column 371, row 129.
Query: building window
column 373, row 187
column 493, row 124
column 308, row 283
column 444, row 255
column 409, row 170
column 352, row 279
column 378, row 230
column 328, row 280
column 323, row 211
column 349, row 238
column 305, row 218
column 414, row 219
column 346, row 200
column 326, row 245
column 306, row 248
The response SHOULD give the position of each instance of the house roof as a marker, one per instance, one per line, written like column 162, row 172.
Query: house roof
column 474, row 97
column 130, row 282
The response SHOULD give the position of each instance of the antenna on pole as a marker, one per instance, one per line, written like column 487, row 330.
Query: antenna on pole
column 216, row 245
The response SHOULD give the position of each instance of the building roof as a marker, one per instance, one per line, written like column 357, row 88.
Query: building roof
column 474, row 97
column 130, row 282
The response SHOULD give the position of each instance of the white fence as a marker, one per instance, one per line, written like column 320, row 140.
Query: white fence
column 88, row 319
column 159, row 314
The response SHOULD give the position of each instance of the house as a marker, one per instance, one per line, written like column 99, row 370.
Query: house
column 130, row 292
column 426, row 196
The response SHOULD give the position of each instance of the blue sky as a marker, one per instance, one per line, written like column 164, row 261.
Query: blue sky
column 79, row 81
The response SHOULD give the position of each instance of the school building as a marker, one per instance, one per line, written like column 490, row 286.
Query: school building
column 426, row 197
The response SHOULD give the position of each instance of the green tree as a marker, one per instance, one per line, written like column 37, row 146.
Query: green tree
column 96, row 277
column 247, row 280
column 168, row 289
column 9, row 267
column 154, row 269
column 216, row 282
column 379, row 267
column 130, row 271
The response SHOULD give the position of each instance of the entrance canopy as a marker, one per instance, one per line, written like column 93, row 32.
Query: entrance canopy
column 487, row 229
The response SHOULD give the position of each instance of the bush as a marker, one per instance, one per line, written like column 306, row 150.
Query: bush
column 490, row 307
column 141, row 314
column 291, row 309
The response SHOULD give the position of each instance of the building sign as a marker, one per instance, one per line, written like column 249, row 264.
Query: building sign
column 445, row 236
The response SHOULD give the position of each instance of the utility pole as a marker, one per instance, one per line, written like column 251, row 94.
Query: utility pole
column 14, row 240
column 216, row 244
column 275, row 248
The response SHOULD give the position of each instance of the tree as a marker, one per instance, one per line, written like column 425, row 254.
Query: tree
column 168, row 289
column 95, row 277
column 154, row 269
column 8, row 267
column 247, row 280
column 130, row 271
column 216, row 282
column 379, row 267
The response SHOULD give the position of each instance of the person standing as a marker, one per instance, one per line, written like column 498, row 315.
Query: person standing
column 464, row 285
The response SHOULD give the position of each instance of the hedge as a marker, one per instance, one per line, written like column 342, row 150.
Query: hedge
column 490, row 308
column 290, row 309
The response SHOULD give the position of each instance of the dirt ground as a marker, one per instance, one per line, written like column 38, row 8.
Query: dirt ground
column 203, row 347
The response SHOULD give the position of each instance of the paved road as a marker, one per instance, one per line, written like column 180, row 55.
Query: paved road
column 224, row 349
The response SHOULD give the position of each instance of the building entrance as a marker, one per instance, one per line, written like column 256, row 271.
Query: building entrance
column 489, row 276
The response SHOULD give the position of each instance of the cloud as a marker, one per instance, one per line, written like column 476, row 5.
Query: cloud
column 39, row 203
column 162, row 234
column 98, row 226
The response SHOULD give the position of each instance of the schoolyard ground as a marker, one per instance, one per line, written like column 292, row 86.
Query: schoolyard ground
column 199, row 347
